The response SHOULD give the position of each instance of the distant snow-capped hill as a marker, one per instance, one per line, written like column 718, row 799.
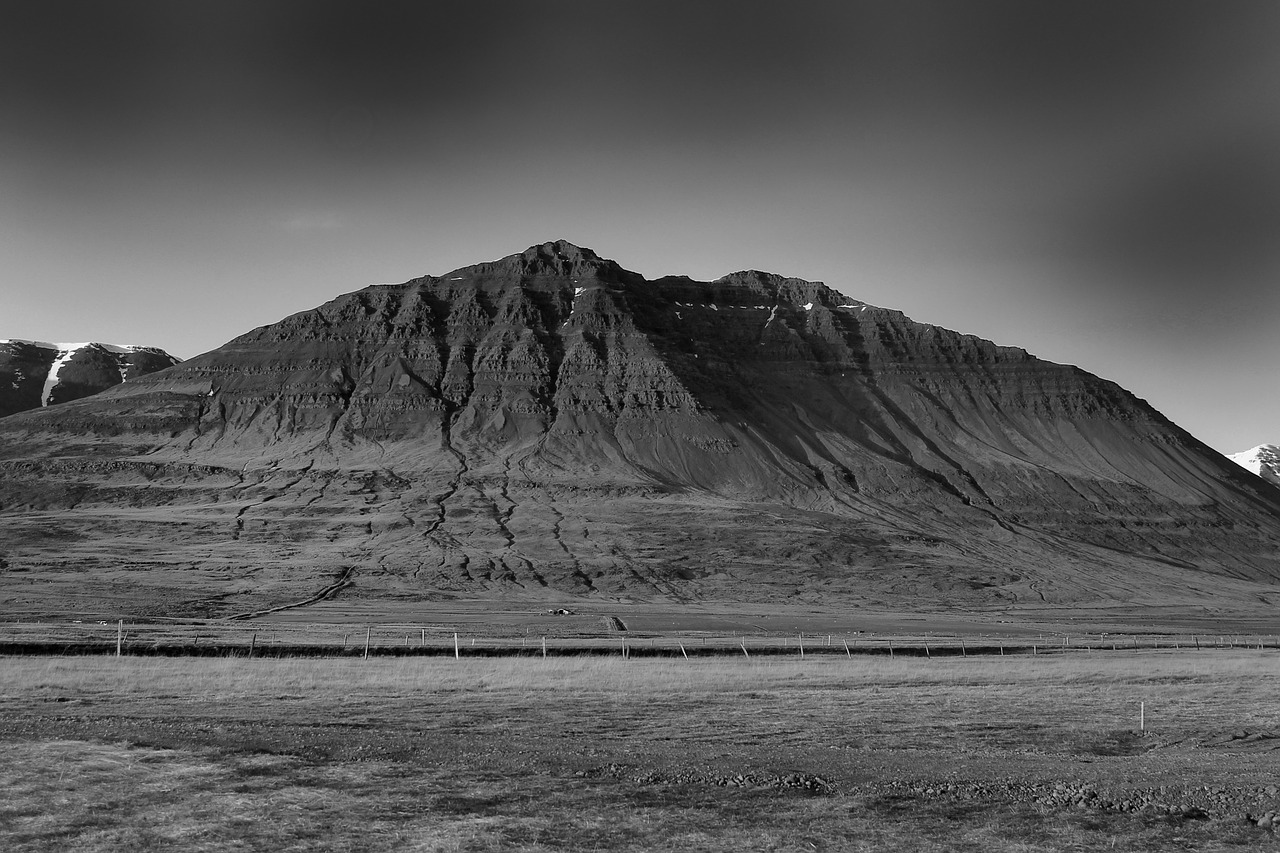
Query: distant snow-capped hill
column 1263, row 460
column 38, row 373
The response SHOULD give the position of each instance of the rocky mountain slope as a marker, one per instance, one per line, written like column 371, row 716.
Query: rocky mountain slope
column 1263, row 460
column 34, row 374
column 551, row 425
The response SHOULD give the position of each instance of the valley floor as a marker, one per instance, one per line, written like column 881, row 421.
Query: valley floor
column 1147, row 750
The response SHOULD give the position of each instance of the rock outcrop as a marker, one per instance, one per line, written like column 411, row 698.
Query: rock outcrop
column 550, row 423
column 34, row 374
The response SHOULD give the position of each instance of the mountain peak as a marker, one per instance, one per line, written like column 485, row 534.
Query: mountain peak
column 562, row 258
column 781, row 288
column 559, row 249
column 555, row 258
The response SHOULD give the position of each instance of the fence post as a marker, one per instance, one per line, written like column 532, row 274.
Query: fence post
column 253, row 641
column 802, row 645
column 119, row 637
column 368, row 632
column 683, row 652
column 847, row 653
column 544, row 647
column 457, row 653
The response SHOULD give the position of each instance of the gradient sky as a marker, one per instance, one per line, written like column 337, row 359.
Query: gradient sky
column 1098, row 182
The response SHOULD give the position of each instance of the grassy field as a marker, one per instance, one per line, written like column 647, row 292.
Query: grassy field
column 1015, row 754
column 485, row 632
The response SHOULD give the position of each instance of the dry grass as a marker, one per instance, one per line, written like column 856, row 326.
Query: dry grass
column 152, row 754
column 235, row 676
column 1188, row 691
column 101, row 798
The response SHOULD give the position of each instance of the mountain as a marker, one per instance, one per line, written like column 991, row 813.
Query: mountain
column 551, row 425
column 35, row 373
column 1263, row 460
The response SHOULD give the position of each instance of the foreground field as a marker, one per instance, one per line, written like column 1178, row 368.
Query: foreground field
column 1015, row 754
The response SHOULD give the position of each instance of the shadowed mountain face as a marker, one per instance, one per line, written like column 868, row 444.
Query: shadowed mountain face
column 551, row 424
column 34, row 374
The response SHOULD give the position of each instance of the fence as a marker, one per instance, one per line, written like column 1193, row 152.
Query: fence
column 334, row 640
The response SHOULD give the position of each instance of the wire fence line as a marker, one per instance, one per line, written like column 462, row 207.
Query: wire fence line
column 407, row 640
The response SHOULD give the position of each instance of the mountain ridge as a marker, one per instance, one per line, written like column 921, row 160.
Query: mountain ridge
column 552, row 424
column 35, row 374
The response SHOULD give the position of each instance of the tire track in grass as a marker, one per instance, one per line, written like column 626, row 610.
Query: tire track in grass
column 344, row 580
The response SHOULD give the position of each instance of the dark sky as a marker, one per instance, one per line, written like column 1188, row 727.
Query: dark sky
column 1098, row 182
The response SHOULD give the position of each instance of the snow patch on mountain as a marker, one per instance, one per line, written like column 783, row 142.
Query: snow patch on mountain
column 51, row 381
